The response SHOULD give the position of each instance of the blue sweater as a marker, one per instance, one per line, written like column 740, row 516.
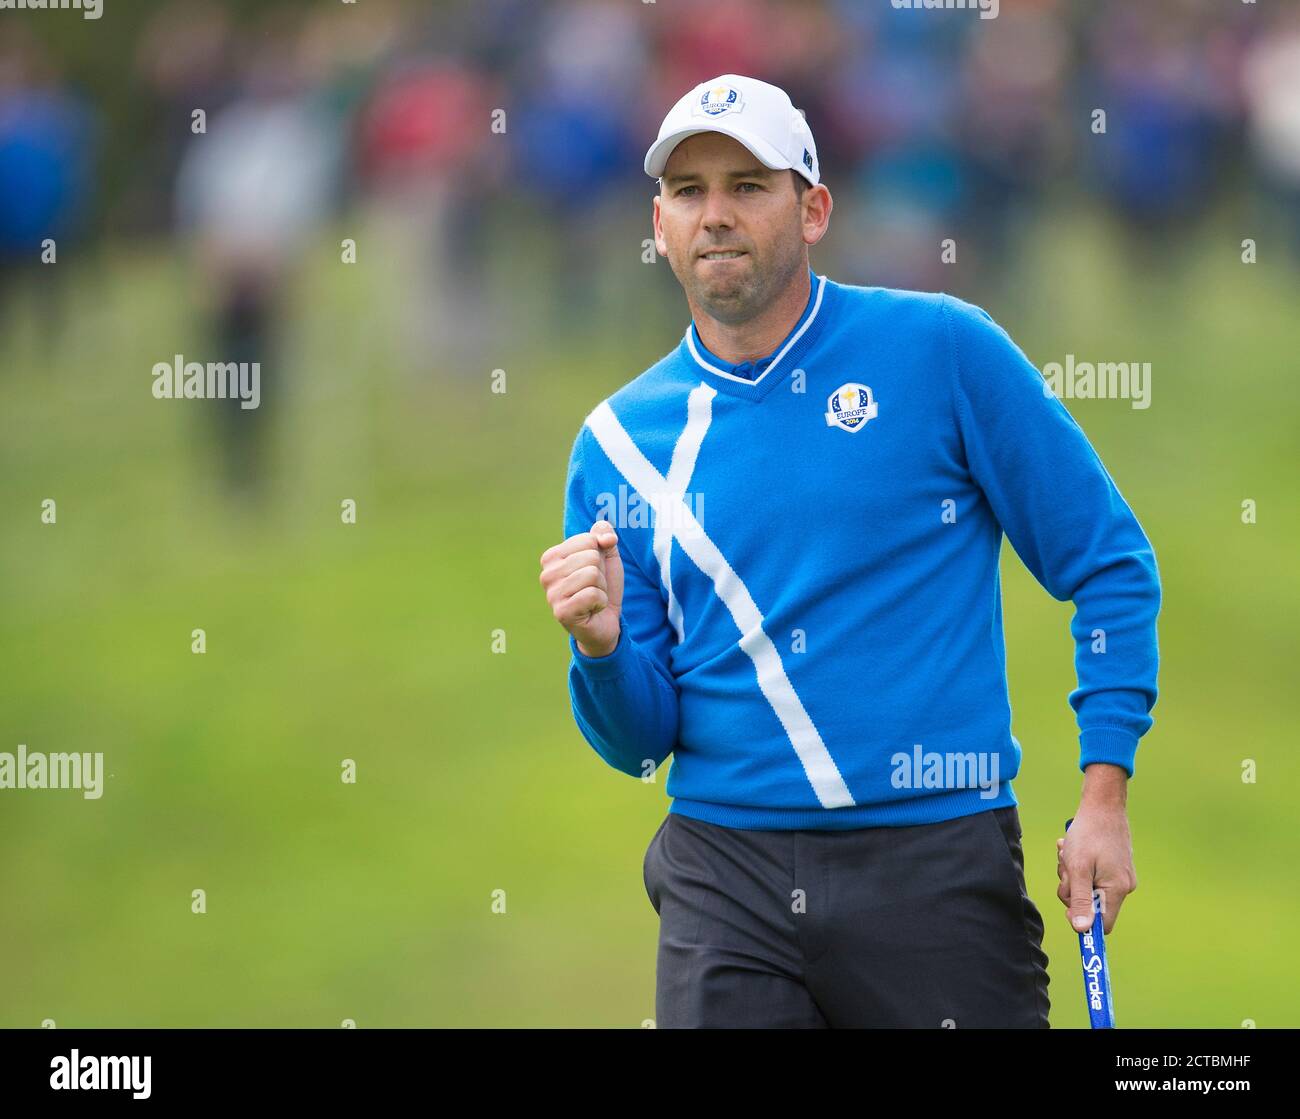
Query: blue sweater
column 812, row 616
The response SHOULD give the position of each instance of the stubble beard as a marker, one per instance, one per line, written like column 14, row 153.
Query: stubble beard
column 731, row 300
column 741, row 298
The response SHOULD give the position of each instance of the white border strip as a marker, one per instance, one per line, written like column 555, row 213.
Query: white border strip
column 690, row 344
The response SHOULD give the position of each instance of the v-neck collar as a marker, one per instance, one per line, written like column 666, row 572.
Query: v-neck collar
column 770, row 370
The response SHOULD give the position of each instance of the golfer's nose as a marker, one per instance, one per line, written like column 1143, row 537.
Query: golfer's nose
column 719, row 210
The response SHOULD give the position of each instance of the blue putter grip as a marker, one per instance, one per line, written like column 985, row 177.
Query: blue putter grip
column 1096, row 971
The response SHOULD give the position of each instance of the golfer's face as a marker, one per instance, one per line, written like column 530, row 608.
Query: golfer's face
column 728, row 225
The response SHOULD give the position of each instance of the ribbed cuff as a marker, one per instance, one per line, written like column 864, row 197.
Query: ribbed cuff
column 1113, row 745
column 606, row 667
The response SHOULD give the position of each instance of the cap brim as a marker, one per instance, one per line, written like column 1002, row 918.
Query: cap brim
column 656, row 159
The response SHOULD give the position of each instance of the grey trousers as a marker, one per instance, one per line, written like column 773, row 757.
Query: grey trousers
column 925, row 926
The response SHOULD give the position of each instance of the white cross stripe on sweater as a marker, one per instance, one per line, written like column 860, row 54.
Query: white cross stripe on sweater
column 666, row 501
column 699, row 414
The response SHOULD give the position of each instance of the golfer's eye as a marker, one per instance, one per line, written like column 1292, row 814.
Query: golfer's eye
column 757, row 187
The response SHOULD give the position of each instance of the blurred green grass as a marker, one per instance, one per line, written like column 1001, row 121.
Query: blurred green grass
column 373, row 642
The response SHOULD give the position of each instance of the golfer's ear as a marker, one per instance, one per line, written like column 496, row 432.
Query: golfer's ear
column 660, row 243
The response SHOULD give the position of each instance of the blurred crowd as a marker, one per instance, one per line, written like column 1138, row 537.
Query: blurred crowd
column 430, row 121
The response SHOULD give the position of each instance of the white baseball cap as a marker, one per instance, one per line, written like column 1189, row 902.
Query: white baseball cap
column 759, row 115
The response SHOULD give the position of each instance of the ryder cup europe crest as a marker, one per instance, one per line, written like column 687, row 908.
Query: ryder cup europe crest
column 850, row 407
column 718, row 100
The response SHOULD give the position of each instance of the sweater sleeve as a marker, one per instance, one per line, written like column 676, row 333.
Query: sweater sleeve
column 625, row 703
column 1069, row 524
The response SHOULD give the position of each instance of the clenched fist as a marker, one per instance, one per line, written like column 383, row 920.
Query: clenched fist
column 583, row 577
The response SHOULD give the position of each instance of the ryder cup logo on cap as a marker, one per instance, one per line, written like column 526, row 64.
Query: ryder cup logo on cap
column 755, row 113
column 719, row 99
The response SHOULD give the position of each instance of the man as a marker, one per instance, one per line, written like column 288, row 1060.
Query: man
column 800, row 602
